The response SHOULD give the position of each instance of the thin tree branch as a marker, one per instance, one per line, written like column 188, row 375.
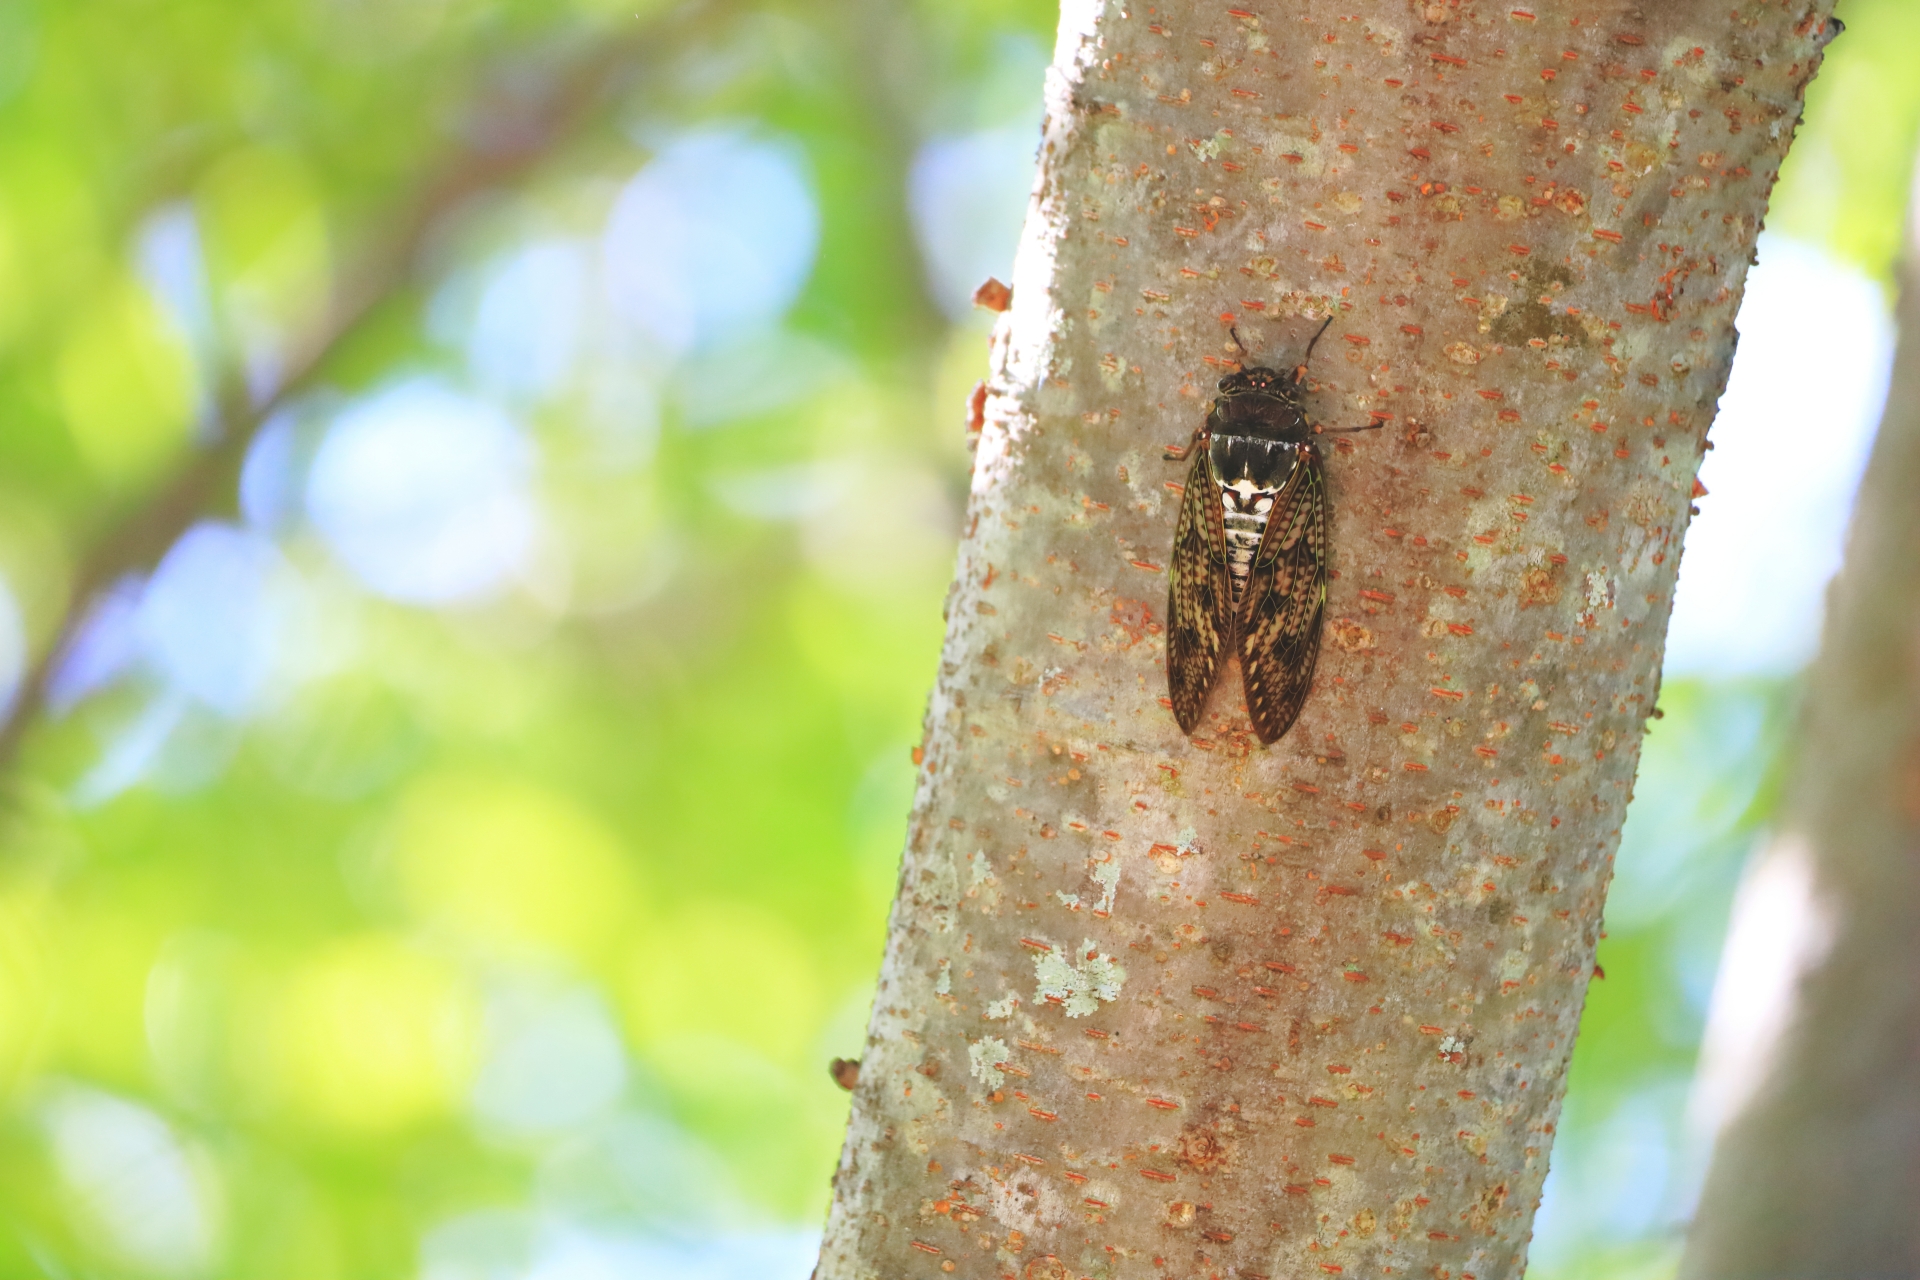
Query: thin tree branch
column 510, row 132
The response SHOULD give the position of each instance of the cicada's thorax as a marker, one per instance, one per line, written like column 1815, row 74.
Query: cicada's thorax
column 1255, row 440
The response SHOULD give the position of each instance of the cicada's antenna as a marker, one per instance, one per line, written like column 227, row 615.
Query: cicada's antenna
column 1236, row 340
column 1300, row 371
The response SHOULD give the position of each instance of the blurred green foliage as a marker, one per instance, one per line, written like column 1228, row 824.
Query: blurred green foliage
column 265, row 974
column 1845, row 182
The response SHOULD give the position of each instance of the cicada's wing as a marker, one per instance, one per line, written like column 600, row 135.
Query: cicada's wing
column 1199, row 595
column 1279, row 625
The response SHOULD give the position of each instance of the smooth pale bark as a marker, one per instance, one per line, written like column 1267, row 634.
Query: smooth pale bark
column 1153, row 1006
column 1819, row 1174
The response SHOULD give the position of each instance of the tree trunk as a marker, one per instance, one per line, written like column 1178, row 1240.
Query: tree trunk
column 1161, row 1006
column 1819, row 1174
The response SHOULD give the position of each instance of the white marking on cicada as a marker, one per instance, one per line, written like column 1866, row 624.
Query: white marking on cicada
column 1244, row 510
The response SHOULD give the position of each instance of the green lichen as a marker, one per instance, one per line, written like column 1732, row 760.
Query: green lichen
column 1080, row 988
column 984, row 1057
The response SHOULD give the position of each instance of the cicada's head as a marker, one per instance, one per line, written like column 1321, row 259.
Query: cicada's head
column 1258, row 380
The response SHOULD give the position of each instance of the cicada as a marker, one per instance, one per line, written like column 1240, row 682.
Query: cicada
column 1248, row 576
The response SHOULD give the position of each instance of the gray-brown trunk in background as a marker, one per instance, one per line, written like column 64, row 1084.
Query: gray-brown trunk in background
column 1160, row 1007
column 1819, row 1175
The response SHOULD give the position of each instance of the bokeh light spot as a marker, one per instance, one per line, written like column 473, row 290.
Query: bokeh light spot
column 510, row 868
column 207, row 619
column 13, row 648
column 371, row 1035
column 126, row 385
column 968, row 196
column 131, row 1186
column 525, row 337
column 423, row 493
column 554, row 1061
column 1795, row 426
column 728, row 969
column 272, row 475
column 715, row 235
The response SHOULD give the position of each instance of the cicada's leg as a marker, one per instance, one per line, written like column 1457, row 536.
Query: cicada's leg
column 1181, row 455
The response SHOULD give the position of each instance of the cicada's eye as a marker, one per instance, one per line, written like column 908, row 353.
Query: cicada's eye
column 1225, row 384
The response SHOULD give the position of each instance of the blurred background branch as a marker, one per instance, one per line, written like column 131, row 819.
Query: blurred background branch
column 1817, row 1090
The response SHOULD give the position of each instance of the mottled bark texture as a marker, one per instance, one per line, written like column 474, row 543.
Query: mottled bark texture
column 1820, row 1174
column 1160, row 1007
